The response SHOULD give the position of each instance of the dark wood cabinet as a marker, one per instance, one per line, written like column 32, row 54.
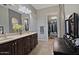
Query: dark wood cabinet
column 8, row 48
column 5, row 49
column 60, row 47
column 20, row 46
column 74, row 20
column 72, row 32
column 35, row 40
column 72, row 26
column 13, row 46
column 32, row 42
column 26, row 45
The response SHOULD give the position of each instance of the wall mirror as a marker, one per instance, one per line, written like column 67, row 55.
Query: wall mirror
column 26, row 24
column 9, row 17
column 26, row 19
column 15, row 21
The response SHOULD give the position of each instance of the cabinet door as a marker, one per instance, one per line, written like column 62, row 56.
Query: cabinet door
column 5, row 49
column 35, row 39
column 26, row 45
column 13, row 45
column 31, row 42
column 20, row 46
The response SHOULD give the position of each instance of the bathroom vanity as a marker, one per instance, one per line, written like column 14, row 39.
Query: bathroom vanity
column 18, row 44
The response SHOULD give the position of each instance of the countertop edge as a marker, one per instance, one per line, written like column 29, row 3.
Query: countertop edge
column 12, row 39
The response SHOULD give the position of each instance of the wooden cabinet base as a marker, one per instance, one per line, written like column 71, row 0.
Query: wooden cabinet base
column 21, row 46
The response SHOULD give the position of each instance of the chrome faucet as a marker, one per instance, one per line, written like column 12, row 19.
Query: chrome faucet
column 2, row 34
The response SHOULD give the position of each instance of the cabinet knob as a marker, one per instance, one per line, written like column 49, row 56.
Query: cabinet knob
column 15, row 43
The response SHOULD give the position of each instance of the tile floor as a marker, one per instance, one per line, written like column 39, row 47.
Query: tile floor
column 43, row 48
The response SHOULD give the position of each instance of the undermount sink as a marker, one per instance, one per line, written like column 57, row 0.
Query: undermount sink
column 7, row 37
column 4, row 38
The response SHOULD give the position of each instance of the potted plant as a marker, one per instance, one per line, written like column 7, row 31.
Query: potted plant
column 17, row 28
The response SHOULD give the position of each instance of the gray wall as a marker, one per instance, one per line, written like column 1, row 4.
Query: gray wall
column 42, row 16
column 43, row 21
column 4, row 18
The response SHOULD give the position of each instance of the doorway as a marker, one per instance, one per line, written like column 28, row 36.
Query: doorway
column 52, row 27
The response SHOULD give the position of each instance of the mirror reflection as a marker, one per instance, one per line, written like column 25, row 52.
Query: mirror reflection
column 26, row 24
column 12, row 21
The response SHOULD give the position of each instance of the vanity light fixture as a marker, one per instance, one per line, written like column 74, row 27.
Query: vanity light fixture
column 24, row 9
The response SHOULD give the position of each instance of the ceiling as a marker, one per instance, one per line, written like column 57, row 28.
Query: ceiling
column 41, row 6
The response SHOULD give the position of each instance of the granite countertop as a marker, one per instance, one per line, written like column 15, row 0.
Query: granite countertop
column 15, row 37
